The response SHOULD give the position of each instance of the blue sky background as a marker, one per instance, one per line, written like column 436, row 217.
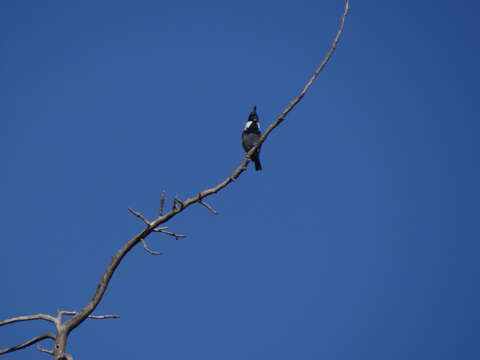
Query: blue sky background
column 358, row 240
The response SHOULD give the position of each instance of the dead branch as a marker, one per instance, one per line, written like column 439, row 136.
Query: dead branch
column 64, row 329
column 140, row 216
column 177, row 201
column 176, row 236
column 114, row 316
column 39, row 348
column 163, row 199
column 160, row 228
column 209, row 207
column 104, row 281
column 163, row 230
column 28, row 343
column 147, row 249
column 28, row 317
column 57, row 321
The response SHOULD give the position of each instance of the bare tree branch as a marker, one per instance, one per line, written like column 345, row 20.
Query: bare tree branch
column 114, row 316
column 208, row 206
column 177, row 201
column 28, row 343
column 140, row 216
column 160, row 228
column 55, row 320
column 295, row 101
column 104, row 281
column 28, row 317
column 147, row 249
column 176, row 236
column 44, row 350
column 163, row 229
column 63, row 330
column 163, row 199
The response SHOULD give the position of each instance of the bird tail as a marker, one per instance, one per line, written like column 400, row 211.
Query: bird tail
column 258, row 166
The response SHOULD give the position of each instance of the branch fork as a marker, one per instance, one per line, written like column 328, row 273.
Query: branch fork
column 62, row 331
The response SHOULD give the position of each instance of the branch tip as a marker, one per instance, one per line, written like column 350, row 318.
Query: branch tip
column 73, row 313
column 176, row 201
column 163, row 199
column 160, row 228
column 209, row 207
column 176, row 236
column 28, row 343
column 140, row 216
column 147, row 249
column 27, row 318
column 44, row 350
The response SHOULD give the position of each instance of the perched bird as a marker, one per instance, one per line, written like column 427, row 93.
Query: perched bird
column 250, row 136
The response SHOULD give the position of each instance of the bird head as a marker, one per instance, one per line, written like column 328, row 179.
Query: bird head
column 253, row 115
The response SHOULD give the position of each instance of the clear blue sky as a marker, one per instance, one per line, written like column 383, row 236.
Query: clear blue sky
column 358, row 240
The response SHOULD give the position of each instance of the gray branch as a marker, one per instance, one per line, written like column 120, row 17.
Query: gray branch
column 147, row 249
column 209, row 207
column 27, row 318
column 28, row 343
column 114, row 316
column 104, row 281
column 39, row 348
column 178, row 206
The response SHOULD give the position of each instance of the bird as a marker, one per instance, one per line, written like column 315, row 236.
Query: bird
column 251, row 135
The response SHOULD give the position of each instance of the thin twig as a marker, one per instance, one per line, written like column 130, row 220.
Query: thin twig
column 44, row 350
column 28, row 343
column 28, row 317
column 147, row 249
column 163, row 199
column 160, row 228
column 176, row 236
column 114, row 316
column 64, row 329
column 176, row 201
column 140, row 216
column 295, row 101
column 208, row 206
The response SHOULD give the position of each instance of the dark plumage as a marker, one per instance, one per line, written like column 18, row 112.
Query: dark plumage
column 250, row 136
